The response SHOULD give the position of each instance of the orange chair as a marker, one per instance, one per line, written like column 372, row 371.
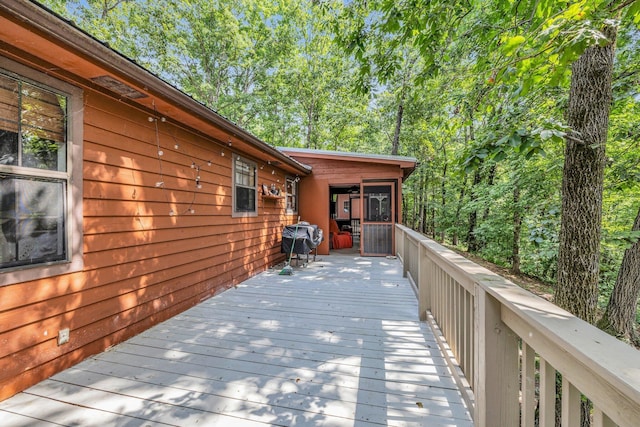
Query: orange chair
column 339, row 239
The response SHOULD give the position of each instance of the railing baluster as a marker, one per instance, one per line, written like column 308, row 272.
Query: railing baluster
column 457, row 337
column 547, row 394
column 528, row 385
column 468, row 335
column 443, row 299
column 452, row 308
column 439, row 298
column 600, row 419
column 570, row 404
column 447, row 307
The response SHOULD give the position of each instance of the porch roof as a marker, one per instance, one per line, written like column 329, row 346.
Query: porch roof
column 407, row 164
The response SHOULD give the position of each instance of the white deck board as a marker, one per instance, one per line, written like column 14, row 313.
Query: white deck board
column 336, row 344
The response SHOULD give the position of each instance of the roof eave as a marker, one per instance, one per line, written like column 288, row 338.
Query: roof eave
column 82, row 43
column 407, row 164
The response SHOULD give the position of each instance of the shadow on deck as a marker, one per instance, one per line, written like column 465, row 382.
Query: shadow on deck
column 338, row 343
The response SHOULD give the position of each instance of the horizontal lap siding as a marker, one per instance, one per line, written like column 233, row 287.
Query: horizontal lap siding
column 338, row 170
column 141, row 265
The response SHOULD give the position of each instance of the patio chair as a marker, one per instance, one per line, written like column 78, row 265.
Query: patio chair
column 339, row 239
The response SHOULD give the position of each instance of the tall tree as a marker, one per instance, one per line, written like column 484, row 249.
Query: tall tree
column 583, row 178
column 620, row 316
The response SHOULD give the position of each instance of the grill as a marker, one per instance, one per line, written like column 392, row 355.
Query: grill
column 303, row 237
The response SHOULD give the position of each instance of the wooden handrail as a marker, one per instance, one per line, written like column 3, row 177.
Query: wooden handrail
column 509, row 344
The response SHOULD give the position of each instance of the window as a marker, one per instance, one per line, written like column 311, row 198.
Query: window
column 245, row 193
column 39, row 225
column 292, row 195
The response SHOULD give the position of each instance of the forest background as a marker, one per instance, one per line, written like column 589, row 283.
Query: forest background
column 476, row 91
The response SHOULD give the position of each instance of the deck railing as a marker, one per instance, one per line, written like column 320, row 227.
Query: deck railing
column 512, row 347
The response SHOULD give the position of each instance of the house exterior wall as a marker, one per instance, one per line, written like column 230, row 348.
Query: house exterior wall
column 141, row 265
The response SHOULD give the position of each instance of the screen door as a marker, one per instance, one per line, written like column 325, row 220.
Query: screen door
column 377, row 218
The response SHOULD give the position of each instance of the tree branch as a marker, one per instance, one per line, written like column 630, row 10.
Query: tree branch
column 620, row 6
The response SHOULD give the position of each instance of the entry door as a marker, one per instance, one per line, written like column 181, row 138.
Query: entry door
column 377, row 218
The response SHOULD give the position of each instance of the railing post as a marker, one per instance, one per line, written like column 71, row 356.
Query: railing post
column 399, row 242
column 496, row 373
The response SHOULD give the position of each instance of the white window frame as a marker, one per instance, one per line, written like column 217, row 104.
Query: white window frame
column 292, row 183
column 73, row 176
column 252, row 167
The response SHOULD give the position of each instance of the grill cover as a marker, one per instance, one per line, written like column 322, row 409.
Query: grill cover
column 306, row 239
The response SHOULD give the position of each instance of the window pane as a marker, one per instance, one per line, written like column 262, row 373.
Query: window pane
column 9, row 115
column 43, row 128
column 8, row 147
column 8, row 121
column 238, row 171
column 291, row 203
column 252, row 176
column 245, row 175
column 32, row 216
column 245, row 199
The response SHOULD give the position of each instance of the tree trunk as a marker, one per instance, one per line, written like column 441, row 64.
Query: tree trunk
column 416, row 188
column 443, row 193
column 456, row 219
column 472, row 241
column 395, row 144
column 620, row 316
column 490, row 181
column 517, row 227
column 421, row 202
column 582, row 180
column 404, row 211
column 432, row 224
column 309, row 136
column 425, row 202
column 408, row 71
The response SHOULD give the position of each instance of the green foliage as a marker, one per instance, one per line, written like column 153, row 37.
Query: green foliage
column 483, row 87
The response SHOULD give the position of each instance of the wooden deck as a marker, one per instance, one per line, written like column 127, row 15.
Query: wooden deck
column 336, row 344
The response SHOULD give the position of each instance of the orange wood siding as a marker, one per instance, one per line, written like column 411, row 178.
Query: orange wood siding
column 141, row 265
column 341, row 171
column 313, row 209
